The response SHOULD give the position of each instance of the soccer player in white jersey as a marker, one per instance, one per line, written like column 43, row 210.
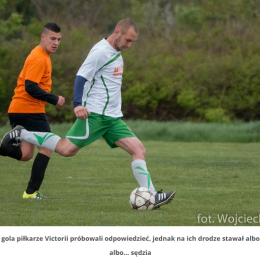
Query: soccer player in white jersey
column 97, row 106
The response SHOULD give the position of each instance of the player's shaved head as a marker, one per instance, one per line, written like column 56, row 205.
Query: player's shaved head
column 125, row 24
column 125, row 33
column 51, row 27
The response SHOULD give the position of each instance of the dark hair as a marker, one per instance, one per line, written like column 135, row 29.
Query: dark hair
column 52, row 27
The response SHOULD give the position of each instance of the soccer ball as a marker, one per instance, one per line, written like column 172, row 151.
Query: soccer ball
column 141, row 199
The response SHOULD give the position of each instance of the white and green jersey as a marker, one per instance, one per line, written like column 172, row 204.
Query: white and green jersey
column 103, row 69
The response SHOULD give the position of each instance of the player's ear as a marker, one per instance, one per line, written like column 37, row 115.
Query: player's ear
column 42, row 36
column 117, row 32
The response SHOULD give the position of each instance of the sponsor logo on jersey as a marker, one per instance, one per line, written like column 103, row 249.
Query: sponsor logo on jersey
column 118, row 71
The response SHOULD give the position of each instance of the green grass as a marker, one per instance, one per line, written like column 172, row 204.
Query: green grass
column 93, row 187
column 235, row 132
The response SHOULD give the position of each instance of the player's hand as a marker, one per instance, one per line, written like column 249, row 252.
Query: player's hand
column 81, row 112
column 61, row 101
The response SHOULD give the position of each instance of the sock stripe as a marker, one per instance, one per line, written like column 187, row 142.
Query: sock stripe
column 142, row 176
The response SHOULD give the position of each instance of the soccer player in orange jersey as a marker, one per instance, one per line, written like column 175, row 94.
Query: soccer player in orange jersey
column 27, row 107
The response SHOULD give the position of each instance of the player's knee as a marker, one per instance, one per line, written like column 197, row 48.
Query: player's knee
column 67, row 153
column 27, row 151
column 26, row 157
column 66, row 148
column 140, row 151
column 143, row 151
column 45, row 151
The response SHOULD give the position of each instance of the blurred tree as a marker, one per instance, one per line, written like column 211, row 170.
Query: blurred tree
column 10, row 24
column 184, row 66
column 22, row 7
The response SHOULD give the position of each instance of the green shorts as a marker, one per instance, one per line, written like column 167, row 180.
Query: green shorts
column 85, row 132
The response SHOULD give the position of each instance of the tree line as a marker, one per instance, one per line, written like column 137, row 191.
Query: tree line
column 194, row 60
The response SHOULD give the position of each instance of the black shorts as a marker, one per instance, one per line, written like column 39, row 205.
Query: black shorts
column 31, row 122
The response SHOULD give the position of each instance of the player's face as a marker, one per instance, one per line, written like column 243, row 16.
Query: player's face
column 50, row 41
column 124, row 41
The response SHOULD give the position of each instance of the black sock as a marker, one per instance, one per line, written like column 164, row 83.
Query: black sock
column 11, row 151
column 39, row 166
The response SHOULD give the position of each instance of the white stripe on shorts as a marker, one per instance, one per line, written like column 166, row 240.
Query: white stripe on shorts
column 82, row 137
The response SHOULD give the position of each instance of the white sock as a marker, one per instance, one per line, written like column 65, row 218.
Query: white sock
column 41, row 139
column 142, row 175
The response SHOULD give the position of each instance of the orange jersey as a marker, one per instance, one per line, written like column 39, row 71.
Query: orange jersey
column 37, row 68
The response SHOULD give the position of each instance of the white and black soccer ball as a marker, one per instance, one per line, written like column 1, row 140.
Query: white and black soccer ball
column 141, row 199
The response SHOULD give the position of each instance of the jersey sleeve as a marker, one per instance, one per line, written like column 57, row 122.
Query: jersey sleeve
column 35, row 70
column 35, row 91
column 94, row 61
column 78, row 91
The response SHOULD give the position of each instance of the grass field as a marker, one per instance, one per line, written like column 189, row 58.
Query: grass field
column 92, row 188
column 235, row 132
